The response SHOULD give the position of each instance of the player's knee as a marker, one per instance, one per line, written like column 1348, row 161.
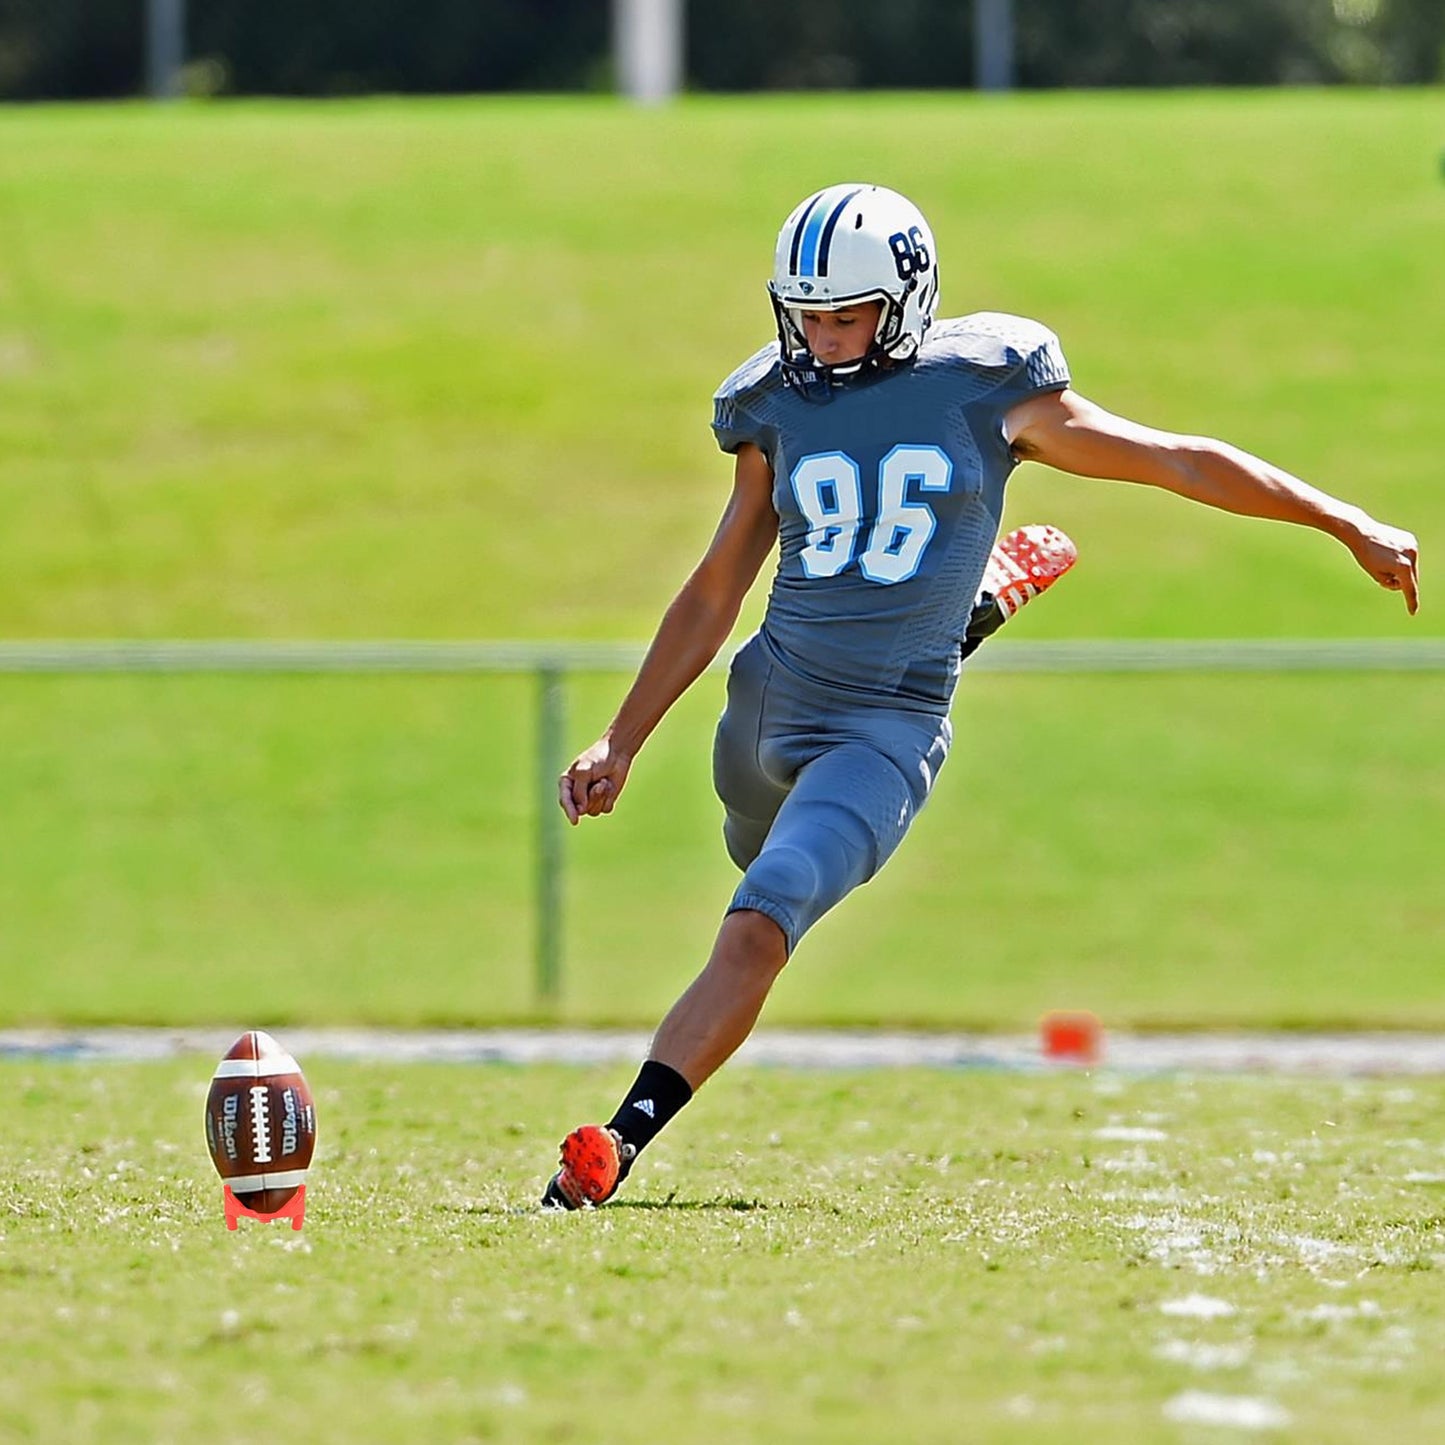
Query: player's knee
column 814, row 856
column 792, row 886
column 785, row 875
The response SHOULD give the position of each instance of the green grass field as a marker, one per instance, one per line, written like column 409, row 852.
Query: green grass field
column 434, row 369
column 442, row 369
column 1182, row 850
column 803, row 1257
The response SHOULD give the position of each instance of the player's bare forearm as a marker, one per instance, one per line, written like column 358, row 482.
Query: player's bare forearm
column 1224, row 476
column 693, row 628
column 701, row 616
column 1064, row 430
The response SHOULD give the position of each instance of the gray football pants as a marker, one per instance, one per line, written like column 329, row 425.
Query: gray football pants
column 819, row 790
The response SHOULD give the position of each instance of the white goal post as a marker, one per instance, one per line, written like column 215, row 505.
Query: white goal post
column 648, row 47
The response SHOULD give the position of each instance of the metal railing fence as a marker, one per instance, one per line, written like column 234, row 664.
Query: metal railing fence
column 550, row 662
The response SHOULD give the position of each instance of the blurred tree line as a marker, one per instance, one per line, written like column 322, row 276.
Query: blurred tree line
column 74, row 48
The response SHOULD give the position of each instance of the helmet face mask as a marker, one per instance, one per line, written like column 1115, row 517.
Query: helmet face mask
column 844, row 246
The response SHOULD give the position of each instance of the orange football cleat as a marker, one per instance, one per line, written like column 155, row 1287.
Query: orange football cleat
column 1025, row 563
column 594, row 1163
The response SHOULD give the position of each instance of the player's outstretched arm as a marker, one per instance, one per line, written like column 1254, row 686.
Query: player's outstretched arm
column 1062, row 429
column 693, row 628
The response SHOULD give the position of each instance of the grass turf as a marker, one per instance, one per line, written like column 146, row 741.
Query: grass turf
column 807, row 1257
column 1165, row 850
column 442, row 368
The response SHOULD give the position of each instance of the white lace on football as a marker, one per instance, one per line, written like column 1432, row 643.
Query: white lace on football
column 261, row 1123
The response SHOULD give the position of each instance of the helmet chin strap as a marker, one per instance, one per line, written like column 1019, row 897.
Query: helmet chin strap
column 814, row 380
column 811, row 382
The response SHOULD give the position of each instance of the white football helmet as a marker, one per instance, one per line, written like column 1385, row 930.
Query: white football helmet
column 847, row 244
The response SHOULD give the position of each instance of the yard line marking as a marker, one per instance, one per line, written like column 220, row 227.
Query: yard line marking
column 1332, row 1055
column 1240, row 1412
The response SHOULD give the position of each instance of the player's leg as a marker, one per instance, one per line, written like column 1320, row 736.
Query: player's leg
column 840, row 823
column 720, row 1007
column 842, row 820
column 708, row 1024
column 808, row 820
column 1025, row 563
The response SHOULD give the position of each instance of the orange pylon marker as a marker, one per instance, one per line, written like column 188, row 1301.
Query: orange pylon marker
column 294, row 1209
column 1072, row 1037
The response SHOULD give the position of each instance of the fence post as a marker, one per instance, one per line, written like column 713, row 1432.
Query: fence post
column 550, row 734
column 165, row 47
column 993, row 40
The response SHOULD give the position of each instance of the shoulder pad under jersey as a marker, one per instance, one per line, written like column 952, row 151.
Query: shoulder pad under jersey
column 734, row 419
column 1014, row 351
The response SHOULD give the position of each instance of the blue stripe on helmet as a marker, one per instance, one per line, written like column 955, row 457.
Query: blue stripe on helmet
column 798, row 235
column 830, row 228
column 811, row 233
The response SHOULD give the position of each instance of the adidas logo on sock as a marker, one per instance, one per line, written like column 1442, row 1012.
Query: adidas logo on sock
column 646, row 1106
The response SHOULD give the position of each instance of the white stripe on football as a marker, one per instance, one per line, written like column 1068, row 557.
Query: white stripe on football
column 249, row 1183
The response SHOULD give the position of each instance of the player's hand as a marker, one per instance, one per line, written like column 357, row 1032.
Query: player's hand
column 590, row 786
column 1392, row 557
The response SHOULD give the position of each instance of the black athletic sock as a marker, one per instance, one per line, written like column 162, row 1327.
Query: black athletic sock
column 659, row 1093
column 985, row 619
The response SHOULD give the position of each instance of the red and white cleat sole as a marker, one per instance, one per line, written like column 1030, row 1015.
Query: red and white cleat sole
column 1025, row 563
column 591, row 1168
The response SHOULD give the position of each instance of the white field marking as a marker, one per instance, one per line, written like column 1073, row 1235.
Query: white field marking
column 1325, row 1055
column 1239, row 1412
column 1135, row 1161
column 1197, row 1307
column 1423, row 1176
column 1173, row 1194
column 1177, row 1238
column 1131, row 1135
column 1199, row 1356
column 1366, row 1309
column 1315, row 1252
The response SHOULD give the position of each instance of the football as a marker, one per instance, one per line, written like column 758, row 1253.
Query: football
column 260, row 1122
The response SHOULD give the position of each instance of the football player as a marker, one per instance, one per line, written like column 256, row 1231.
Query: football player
column 872, row 445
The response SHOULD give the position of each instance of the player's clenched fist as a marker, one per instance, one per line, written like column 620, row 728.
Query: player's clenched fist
column 1392, row 557
column 590, row 786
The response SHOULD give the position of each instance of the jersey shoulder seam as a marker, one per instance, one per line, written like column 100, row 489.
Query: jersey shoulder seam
column 752, row 374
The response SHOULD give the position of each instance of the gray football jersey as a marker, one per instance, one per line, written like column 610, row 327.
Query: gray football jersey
column 889, row 496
